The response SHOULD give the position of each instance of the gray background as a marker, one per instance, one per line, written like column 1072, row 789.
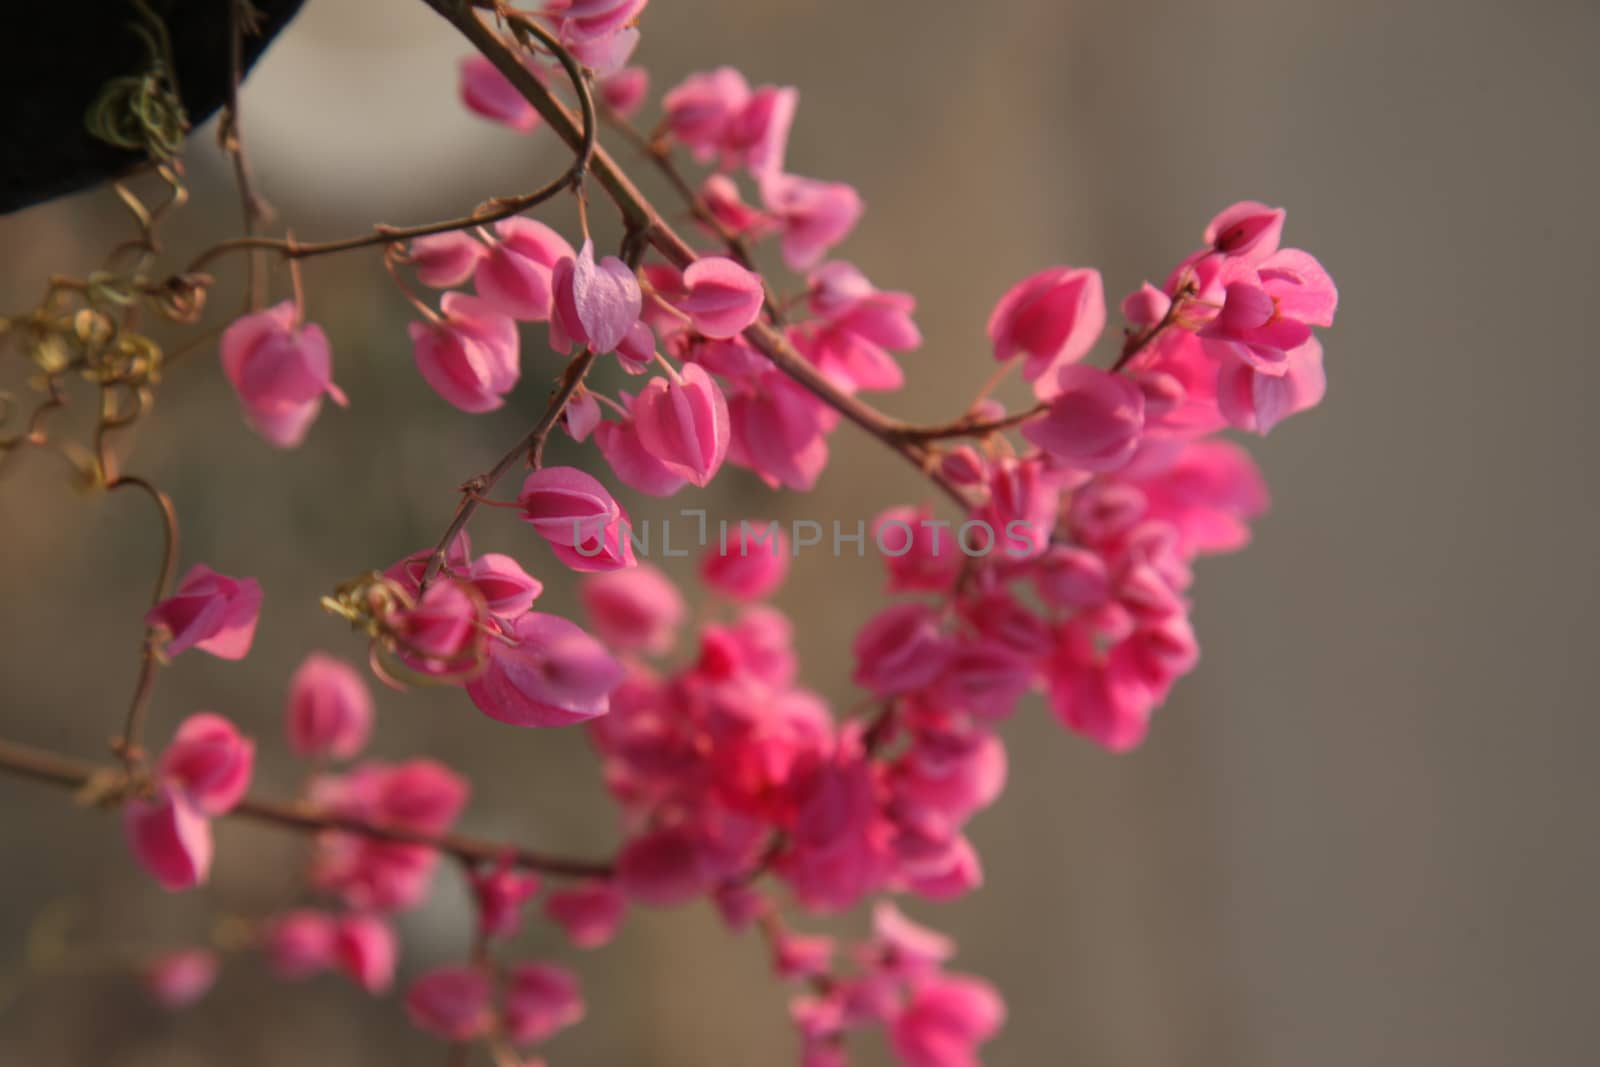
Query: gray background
column 1362, row 832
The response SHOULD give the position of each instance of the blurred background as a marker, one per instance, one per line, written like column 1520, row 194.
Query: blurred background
column 1362, row 833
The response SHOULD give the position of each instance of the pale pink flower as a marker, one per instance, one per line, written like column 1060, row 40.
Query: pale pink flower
column 554, row 674
column 720, row 194
column 567, row 506
column 812, row 215
column 445, row 260
column 1249, row 230
column 634, row 610
column 514, row 275
column 801, row 955
column 281, row 371
column 211, row 612
column 721, row 297
column 750, row 563
column 471, row 357
column 330, row 709
column 684, row 423
column 778, row 431
column 588, row 20
column 1094, row 421
column 179, row 979
column 595, row 304
column 631, row 462
column 589, row 912
column 700, row 109
column 1251, row 400
column 758, row 136
column 900, row 649
column 1052, row 318
column 920, row 555
column 489, row 93
column 901, row 946
column 625, row 90
column 451, row 1003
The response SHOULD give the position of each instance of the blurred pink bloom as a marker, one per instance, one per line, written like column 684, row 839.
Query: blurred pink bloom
column 813, row 215
column 501, row 891
column 443, row 633
column 490, row 93
column 169, row 837
column 179, row 979
column 471, row 358
column 300, row 944
column 451, row 1003
column 758, row 136
column 661, row 868
column 1094, row 421
column 750, row 563
column 210, row 761
column 365, row 951
column 590, row 912
column 624, row 91
column 554, row 675
column 945, row 1020
column 1250, row 400
column 900, row 649
column 700, row 109
column 281, row 371
column 540, row 1000
column 634, row 610
column 445, row 260
column 211, row 612
column 330, row 709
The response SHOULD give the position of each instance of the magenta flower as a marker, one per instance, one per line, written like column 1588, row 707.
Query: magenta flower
column 1094, row 421
column 945, row 1020
column 595, row 304
column 554, row 674
column 590, row 912
column 500, row 892
column 451, row 1003
column 634, row 610
column 178, row 979
column 514, row 274
column 420, row 794
column 489, row 93
column 700, row 110
column 758, row 136
column 631, row 462
column 300, row 944
column 1248, row 230
column 169, row 837
column 625, row 91
column 281, row 371
column 365, row 951
column 471, row 358
column 566, row 506
column 1251, row 400
column 210, row 762
column 900, row 649
column 540, row 1000
column 506, row 588
column 211, row 612
column 721, row 297
column 330, row 709
column 750, row 564
column 684, row 423
column 587, row 20
column 445, row 260
column 813, row 215
column 1052, row 318
column 443, row 633
column 661, row 868
column 779, row 431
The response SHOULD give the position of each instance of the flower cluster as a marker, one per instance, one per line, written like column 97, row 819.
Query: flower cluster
column 1066, row 570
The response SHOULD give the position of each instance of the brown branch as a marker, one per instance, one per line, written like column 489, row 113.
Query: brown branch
column 56, row 769
column 127, row 746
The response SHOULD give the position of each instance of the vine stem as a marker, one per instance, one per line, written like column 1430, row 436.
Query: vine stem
column 127, row 747
column 54, row 768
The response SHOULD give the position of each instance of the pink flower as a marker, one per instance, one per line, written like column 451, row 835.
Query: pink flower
column 471, row 358
column 901, row 946
column 300, row 944
column 624, row 91
column 330, row 709
column 1248, row 229
column 211, row 612
column 588, row 20
column 451, row 1003
column 595, row 305
column 1251, row 400
column 540, row 1000
column 661, row 868
column 1094, row 421
column 554, row 675
column 699, row 111
column 801, row 956
column 749, row 564
column 684, row 423
column 179, row 979
column 900, row 649
column 445, row 260
column 1102, row 697
column 758, row 136
column 945, row 1020
column 633, row 465
column 720, row 194
column 515, row 275
column 590, row 912
column 420, row 795
column 920, row 555
column 210, row 761
column 443, row 633
column 566, row 506
column 489, row 93
column 1053, row 317
column 281, row 371
column 722, row 298
column 813, row 215
column 169, row 837
column 365, row 951
column 501, row 891
column 506, row 588
column 634, row 610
